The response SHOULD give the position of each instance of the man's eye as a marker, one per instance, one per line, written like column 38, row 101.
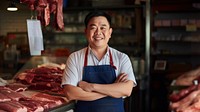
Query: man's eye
column 103, row 28
column 92, row 28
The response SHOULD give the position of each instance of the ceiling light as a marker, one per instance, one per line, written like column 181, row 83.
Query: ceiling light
column 12, row 7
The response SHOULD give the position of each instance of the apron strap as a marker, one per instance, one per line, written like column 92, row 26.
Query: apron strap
column 85, row 61
column 111, row 59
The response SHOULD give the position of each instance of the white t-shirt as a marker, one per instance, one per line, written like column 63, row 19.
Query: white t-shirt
column 75, row 63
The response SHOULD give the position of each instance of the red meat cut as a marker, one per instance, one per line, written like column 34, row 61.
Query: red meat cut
column 13, row 106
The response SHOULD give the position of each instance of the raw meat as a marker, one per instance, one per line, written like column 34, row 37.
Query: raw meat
column 42, row 3
column 25, row 78
column 194, row 107
column 4, row 98
column 46, row 97
column 13, row 106
column 11, row 94
column 49, row 87
column 46, row 15
column 47, row 70
column 44, row 8
column 185, row 102
column 37, row 104
column 42, row 78
column 32, row 105
column 183, row 93
column 59, row 16
column 17, row 87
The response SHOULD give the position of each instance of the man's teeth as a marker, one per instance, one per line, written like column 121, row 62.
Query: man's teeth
column 98, row 38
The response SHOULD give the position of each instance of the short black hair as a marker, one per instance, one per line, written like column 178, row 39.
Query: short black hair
column 96, row 14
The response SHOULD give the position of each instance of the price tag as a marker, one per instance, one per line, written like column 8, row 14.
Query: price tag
column 191, row 28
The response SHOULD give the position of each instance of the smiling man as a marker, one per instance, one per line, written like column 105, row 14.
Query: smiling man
column 98, row 76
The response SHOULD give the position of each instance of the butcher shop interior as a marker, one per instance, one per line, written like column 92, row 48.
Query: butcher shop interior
column 161, row 38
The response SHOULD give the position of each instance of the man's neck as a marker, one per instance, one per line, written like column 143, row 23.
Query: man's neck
column 99, row 52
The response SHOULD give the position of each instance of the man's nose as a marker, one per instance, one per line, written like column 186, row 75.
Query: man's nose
column 98, row 31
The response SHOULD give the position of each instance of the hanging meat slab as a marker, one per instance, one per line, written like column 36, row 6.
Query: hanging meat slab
column 44, row 8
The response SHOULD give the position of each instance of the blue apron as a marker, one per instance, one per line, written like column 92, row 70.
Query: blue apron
column 101, row 74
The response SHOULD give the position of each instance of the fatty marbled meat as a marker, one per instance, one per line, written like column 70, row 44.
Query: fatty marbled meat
column 47, row 78
column 13, row 106
column 41, row 102
column 46, row 104
column 40, row 74
column 10, row 94
column 42, row 78
column 194, row 107
column 32, row 105
column 25, row 78
column 186, row 103
column 17, row 87
column 186, row 100
column 44, row 8
column 49, row 86
column 4, row 98
column 46, row 70
column 183, row 93
column 11, row 101
column 46, row 97
column 28, row 78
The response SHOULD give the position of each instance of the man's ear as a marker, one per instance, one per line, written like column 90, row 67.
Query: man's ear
column 111, row 30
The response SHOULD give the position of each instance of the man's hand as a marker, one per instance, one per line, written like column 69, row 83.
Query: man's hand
column 86, row 86
column 122, row 78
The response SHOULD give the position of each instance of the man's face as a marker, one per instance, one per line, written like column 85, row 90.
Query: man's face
column 98, row 32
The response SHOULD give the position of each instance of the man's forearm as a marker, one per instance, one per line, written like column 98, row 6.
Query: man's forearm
column 116, row 90
column 76, row 93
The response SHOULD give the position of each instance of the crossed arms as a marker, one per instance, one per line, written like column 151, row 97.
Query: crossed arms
column 90, row 91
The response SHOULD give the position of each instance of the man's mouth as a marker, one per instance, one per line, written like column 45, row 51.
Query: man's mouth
column 98, row 38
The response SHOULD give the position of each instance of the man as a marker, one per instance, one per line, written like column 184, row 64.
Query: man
column 98, row 76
